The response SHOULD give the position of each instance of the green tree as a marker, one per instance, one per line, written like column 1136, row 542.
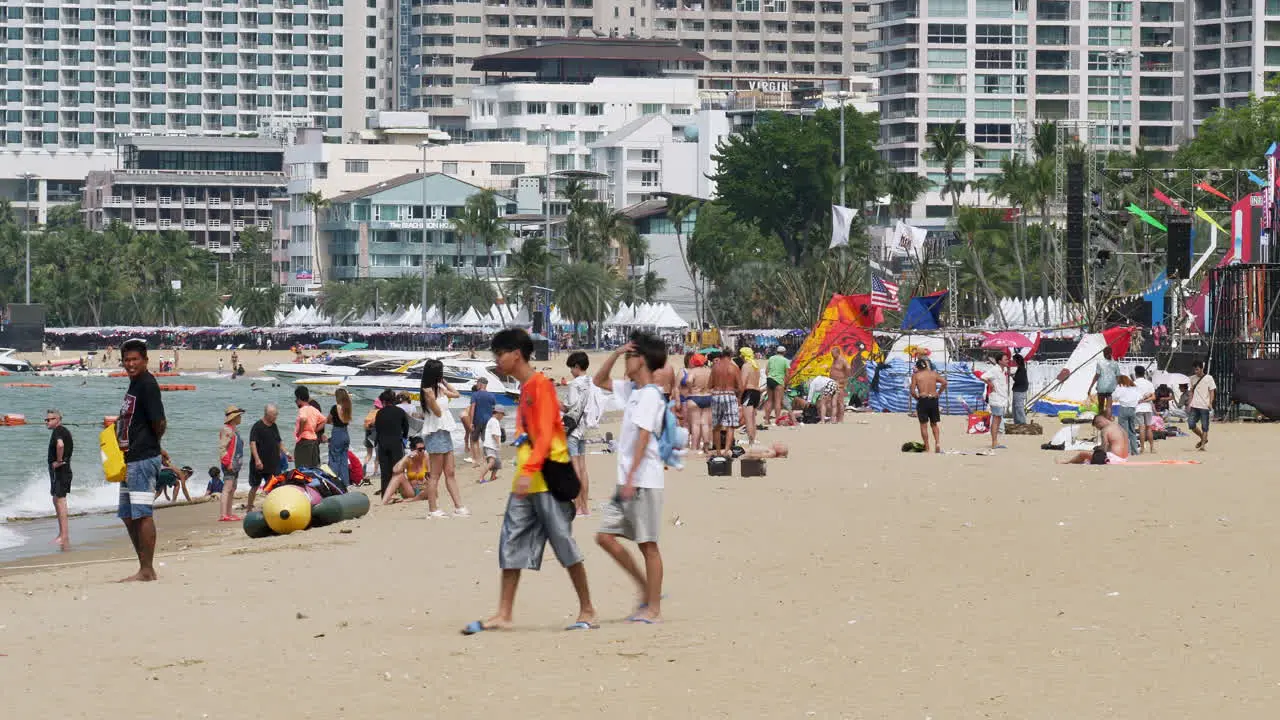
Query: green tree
column 984, row 237
column 903, row 190
column 782, row 175
column 315, row 200
column 720, row 243
column 258, row 305
column 583, row 291
column 481, row 221
column 578, row 238
column 949, row 147
column 526, row 271
column 678, row 209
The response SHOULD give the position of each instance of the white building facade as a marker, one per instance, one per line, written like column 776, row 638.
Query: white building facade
column 660, row 154
column 332, row 169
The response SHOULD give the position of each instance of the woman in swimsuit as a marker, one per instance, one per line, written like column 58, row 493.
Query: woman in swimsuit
column 698, row 405
column 409, row 475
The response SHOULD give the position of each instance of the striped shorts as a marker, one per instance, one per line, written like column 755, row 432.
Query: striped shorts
column 138, row 491
column 724, row 410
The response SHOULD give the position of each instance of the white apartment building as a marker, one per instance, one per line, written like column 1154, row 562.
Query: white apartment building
column 750, row 44
column 568, row 94
column 1235, row 48
column 997, row 66
column 660, row 154
column 332, row 169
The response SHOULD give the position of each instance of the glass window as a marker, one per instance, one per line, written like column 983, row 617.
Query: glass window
column 946, row 107
column 499, row 168
column 948, row 58
column 947, row 34
column 594, row 109
column 535, row 108
column 356, row 166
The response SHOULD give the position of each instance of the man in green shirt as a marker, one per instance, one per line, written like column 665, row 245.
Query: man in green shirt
column 776, row 382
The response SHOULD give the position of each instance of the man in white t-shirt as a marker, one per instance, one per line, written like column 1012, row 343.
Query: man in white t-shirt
column 636, row 510
column 998, row 381
column 1204, row 391
column 1142, row 415
column 492, row 439
column 575, row 407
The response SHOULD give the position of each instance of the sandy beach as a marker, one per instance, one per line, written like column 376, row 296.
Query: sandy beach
column 854, row 581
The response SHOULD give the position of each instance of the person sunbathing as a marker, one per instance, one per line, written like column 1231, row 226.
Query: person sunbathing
column 1112, row 439
column 409, row 475
column 777, row 450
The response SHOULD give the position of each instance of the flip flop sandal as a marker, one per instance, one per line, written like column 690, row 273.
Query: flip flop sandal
column 583, row 625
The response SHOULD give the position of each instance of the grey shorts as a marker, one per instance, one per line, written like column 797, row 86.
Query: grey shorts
column 1198, row 416
column 497, row 461
column 577, row 445
column 1142, row 418
column 637, row 519
column 529, row 523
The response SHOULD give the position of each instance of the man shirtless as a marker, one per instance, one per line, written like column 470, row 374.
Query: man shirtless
column 1112, row 439
column 840, row 372
column 665, row 378
column 726, row 389
column 751, row 394
column 926, row 385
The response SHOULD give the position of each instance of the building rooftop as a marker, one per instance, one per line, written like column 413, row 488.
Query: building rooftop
column 615, row 49
column 205, row 143
column 389, row 185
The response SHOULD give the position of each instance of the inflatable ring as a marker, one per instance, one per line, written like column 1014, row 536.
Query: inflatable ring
column 170, row 388
column 13, row 419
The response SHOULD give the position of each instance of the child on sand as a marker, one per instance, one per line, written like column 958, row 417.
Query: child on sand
column 492, row 441
column 215, row 482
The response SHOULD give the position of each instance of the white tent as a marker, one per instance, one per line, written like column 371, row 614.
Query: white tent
column 1032, row 313
column 230, row 317
column 470, row 318
column 667, row 318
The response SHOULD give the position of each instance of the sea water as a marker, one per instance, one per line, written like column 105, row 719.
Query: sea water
column 194, row 419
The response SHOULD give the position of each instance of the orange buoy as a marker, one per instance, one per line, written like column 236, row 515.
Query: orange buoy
column 119, row 373
column 13, row 419
column 164, row 374
column 170, row 388
column 27, row 385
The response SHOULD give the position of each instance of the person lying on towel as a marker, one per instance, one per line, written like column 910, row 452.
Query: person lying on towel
column 1113, row 445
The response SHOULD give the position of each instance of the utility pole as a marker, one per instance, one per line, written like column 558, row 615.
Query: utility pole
column 546, row 210
column 26, row 217
column 424, row 145
column 841, row 96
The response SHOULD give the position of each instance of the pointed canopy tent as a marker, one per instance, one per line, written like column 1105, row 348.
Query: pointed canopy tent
column 230, row 317
column 837, row 327
column 667, row 318
column 470, row 318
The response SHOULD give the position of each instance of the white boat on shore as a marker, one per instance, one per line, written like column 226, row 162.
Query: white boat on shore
column 10, row 362
column 461, row 374
column 341, row 365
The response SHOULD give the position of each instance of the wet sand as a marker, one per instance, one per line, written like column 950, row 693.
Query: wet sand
column 854, row 581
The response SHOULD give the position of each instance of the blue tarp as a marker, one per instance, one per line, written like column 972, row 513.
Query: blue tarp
column 965, row 393
column 922, row 313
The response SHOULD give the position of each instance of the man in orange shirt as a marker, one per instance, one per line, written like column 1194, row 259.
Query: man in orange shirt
column 306, row 431
column 534, row 516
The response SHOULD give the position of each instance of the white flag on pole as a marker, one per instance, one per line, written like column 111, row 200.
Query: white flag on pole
column 841, row 221
column 907, row 241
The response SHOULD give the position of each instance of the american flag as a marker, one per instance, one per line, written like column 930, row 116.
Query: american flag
column 883, row 293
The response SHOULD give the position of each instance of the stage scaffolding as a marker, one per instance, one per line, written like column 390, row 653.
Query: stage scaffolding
column 1243, row 322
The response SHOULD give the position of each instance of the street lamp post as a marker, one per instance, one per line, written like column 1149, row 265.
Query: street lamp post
column 424, row 145
column 841, row 96
column 26, row 222
column 546, row 211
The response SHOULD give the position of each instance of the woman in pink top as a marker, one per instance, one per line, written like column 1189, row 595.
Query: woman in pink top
column 306, row 431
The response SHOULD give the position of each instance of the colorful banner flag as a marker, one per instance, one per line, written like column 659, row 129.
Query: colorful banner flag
column 906, row 241
column 1200, row 213
column 1142, row 214
column 1212, row 190
column 1169, row 201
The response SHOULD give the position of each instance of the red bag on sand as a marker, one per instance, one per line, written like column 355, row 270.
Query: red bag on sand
column 979, row 423
column 355, row 469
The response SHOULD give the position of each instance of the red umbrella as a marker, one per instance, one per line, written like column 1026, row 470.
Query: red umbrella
column 1007, row 340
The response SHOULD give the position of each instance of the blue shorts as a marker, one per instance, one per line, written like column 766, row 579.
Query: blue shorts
column 1198, row 416
column 439, row 442
column 577, row 445
column 138, row 491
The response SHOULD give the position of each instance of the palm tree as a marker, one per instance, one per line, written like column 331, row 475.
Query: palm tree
column 614, row 230
column 949, row 147
column 577, row 226
column 583, row 290
column 317, row 202
column 679, row 207
column 526, row 270
column 903, row 190
column 1044, row 139
column 981, row 230
column 1013, row 184
column 481, row 221
column 258, row 305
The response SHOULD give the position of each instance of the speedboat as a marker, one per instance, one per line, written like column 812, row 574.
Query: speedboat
column 341, row 365
column 10, row 362
column 461, row 375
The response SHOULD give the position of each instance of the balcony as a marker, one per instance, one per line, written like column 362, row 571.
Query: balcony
column 957, row 89
column 1053, row 36
column 1052, row 86
column 1157, row 38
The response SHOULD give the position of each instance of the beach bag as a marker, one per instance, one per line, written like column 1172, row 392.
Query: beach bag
column 112, row 458
column 562, row 480
column 673, row 439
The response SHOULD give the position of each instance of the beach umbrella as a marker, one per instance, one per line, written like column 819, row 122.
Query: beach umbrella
column 332, row 343
column 1172, row 379
column 355, row 346
column 1007, row 340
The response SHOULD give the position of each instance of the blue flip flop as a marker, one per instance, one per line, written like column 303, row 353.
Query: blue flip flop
column 645, row 620
column 475, row 626
column 582, row 625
